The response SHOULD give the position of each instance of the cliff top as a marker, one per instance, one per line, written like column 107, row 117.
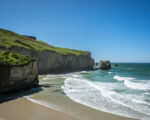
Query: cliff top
column 10, row 39
column 13, row 59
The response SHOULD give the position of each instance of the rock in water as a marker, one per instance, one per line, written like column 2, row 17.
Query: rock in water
column 115, row 64
column 105, row 65
column 96, row 63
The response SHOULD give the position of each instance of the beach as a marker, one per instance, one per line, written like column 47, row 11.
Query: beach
column 23, row 109
column 75, row 60
column 57, row 106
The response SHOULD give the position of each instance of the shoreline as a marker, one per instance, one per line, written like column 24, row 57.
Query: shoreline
column 62, row 106
column 85, row 115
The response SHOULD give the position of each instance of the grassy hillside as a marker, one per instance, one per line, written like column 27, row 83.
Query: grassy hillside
column 9, row 39
column 13, row 59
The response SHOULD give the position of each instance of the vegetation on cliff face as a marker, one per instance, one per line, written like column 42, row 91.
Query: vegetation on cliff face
column 13, row 59
column 10, row 39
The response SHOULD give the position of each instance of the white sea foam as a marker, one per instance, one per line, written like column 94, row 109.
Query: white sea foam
column 138, row 85
column 85, row 71
column 110, row 72
column 107, row 90
column 122, row 78
column 45, row 78
column 140, row 101
column 101, row 96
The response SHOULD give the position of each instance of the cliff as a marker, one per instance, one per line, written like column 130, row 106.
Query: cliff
column 50, row 59
column 17, row 72
column 53, row 62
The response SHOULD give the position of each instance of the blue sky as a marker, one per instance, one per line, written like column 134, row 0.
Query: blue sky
column 117, row 30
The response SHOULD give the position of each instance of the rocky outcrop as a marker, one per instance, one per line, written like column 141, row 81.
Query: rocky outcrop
column 116, row 65
column 53, row 62
column 105, row 65
column 20, row 77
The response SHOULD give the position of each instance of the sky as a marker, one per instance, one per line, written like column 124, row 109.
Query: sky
column 115, row 30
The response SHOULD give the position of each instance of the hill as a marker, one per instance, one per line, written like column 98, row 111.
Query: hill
column 10, row 39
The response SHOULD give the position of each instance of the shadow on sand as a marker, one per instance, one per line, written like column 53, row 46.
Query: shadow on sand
column 11, row 96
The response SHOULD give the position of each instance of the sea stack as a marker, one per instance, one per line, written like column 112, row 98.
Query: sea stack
column 105, row 65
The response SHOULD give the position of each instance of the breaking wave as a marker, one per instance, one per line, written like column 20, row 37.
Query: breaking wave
column 102, row 96
column 122, row 78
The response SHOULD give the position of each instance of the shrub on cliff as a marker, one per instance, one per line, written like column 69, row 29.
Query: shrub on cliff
column 13, row 59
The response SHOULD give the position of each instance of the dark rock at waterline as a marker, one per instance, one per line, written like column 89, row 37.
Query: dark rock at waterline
column 96, row 68
column 105, row 65
column 96, row 63
column 59, row 90
column 116, row 65
column 46, row 85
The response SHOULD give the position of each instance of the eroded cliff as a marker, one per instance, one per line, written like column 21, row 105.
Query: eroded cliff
column 50, row 59
column 53, row 62
column 17, row 72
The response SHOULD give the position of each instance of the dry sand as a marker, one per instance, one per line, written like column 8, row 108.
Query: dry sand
column 22, row 109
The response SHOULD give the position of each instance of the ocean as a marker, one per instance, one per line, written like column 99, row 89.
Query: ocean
column 124, row 90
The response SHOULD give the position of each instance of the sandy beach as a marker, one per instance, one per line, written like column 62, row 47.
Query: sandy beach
column 75, row 60
column 23, row 109
column 62, row 108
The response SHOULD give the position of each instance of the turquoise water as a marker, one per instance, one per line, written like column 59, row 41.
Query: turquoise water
column 123, row 90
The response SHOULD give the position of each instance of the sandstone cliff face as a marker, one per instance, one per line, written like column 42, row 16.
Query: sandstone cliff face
column 16, row 78
column 53, row 62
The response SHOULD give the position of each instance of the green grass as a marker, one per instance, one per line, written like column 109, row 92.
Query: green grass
column 9, row 39
column 13, row 59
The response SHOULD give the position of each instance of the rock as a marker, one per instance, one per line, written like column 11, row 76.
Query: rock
column 59, row 90
column 53, row 62
column 28, row 36
column 46, row 85
column 97, row 64
column 116, row 65
column 13, row 79
column 105, row 65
